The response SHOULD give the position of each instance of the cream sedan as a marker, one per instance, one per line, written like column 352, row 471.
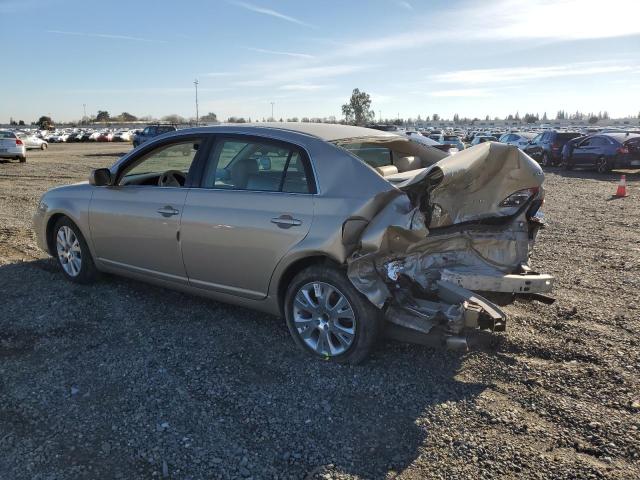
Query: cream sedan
column 344, row 231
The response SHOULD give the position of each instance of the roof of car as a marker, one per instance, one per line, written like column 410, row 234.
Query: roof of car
column 621, row 137
column 325, row 131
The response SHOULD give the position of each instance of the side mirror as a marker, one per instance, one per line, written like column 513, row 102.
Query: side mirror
column 100, row 177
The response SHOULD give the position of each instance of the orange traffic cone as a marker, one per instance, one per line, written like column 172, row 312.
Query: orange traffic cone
column 622, row 187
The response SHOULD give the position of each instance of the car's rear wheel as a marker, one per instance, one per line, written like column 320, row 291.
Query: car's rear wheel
column 329, row 318
column 72, row 252
column 43, row 146
column 22, row 159
column 567, row 164
column 602, row 165
column 545, row 162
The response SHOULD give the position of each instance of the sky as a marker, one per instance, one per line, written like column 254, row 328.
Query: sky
column 414, row 57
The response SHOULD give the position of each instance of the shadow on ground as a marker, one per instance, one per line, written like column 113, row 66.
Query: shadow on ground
column 120, row 377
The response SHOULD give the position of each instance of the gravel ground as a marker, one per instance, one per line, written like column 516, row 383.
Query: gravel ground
column 125, row 380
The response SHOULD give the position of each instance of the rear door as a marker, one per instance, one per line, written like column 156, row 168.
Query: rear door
column 583, row 152
column 254, row 204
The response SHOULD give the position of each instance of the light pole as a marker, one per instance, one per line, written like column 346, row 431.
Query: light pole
column 195, row 82
column 84, row 108
column 272, row 118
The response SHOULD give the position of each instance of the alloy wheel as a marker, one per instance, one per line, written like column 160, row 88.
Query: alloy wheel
column 69, row 252
column 324, row 318
column 602, row 165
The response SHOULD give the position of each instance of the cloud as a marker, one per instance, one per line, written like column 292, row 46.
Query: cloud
column 300, row 75
column 106, row 35
column 552, row 20
column 277, row 52
column 462, row 92
column 303, row 87
column 270, row 13
column 404, row 4
column 519, row 74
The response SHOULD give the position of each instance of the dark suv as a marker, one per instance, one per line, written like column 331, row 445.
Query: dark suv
column 546, row 147
column 152, row 131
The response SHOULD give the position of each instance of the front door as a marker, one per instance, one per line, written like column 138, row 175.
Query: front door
column 135, row 223
column 255, row 204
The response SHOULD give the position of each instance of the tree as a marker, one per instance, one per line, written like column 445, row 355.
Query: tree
column 358, row 110
column 456, row 118
column 593, row 119
column 44, row 123
column 544, row 117
column 173, row 118
column 127, row 117
column 209, row 117
column 436, row 117
column 487, row 118
column 21, row 123
column 102, row 116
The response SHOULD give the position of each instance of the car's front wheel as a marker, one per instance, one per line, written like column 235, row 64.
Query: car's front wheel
column 72, row 252
column 329, row 318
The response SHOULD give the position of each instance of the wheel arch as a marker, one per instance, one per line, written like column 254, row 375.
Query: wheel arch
column 296, row 267
column 49, row 233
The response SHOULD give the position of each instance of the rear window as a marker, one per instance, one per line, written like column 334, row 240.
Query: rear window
column 452, row 138
column 7, row 135
column 633, row 145
column 374, row 156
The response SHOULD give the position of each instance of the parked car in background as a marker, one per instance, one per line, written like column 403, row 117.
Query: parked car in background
column 478, row 139
column 546, row 147
column 122, row 136
column 567, row 152
column 452, row 140
column 105, row 137
column 32, row 142
column 519, row 139
column 606, row 151
column 152, row 131
column 359, row 225
column 11, row 146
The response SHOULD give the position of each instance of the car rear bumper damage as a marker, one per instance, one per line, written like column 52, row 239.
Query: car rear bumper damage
column 435, row 276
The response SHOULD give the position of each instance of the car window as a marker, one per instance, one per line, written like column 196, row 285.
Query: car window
column 256, row 165
column 7, row 135
column 371, row 154
column 585, row 143
column 536, row 138
column 175, row 156
column 598, row 142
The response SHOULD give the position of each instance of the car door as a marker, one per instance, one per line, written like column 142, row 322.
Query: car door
column 255, row 204
column 135, row 223
column 582, row 152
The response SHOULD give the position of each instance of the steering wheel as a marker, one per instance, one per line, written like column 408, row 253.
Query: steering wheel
column 172, row 178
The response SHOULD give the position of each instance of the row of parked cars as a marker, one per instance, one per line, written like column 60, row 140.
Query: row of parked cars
column 599, row 149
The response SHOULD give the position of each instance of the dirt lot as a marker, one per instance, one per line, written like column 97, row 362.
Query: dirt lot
column 125, row 380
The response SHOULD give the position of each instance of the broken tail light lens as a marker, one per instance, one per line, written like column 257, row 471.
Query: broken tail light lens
column 518, row 198
column 19, row 142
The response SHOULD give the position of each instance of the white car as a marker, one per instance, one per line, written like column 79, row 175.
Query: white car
column 11, row 146
column 122, row 136
column 519, row 139
column 32, row 142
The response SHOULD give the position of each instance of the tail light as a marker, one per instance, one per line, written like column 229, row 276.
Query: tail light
column 622, row 150
column 19, row 142
column 518, row 198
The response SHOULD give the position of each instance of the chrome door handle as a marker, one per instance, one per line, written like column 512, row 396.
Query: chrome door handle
column 168, row 211
column 286, row 221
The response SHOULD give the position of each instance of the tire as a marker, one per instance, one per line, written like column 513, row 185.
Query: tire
column 545, row 162
column 22, row 159
column 602, row 165
column 87, row 272
column 43, row 146
column 567, row 164
column 358, row 326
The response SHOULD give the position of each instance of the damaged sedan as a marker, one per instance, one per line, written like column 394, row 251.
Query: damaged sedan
column 346, row 232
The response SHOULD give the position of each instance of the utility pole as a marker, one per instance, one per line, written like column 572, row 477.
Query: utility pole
column 272, row 117
column 195, row 82
column 84, row 108
column 380, row 116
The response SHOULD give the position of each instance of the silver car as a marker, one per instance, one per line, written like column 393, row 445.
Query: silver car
column 345, row 231
column 11, row 146
column 32, row 142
